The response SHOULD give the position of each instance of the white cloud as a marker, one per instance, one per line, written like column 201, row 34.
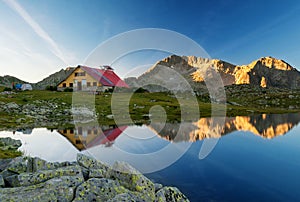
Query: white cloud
column 54, row 48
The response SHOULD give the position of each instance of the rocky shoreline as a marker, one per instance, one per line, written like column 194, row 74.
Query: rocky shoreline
column 87, row 179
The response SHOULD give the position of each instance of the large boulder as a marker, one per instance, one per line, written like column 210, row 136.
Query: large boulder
column 132, row 179
column 170, row 194
column 56, row 189
column 96, row 168
column 96, row 189
column 26, row 179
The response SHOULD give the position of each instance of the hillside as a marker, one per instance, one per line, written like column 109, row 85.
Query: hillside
column 264, row 72
column 8, row 80
column 51, row 80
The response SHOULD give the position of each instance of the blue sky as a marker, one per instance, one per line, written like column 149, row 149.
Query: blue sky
column 41, row 37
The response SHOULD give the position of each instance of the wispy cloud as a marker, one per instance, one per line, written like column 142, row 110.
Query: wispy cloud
column 54, row 48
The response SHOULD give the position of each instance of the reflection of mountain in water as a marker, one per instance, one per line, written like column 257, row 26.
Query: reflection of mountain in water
column 265, row 125
column 87, row 137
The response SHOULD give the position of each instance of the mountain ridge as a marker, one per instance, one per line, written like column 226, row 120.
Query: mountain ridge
column 263, row 72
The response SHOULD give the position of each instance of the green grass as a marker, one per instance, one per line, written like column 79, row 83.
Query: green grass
column 6, row 154
column 135, row 106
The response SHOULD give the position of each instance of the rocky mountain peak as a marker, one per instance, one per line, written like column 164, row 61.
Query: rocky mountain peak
column 271, row 62
column 264, row 72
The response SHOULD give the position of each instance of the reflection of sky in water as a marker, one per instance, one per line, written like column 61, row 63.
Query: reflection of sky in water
column 44, row 144
column 139, row 140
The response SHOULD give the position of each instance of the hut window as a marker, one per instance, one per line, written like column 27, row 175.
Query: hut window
column 88, row 84
column 70, row 84
column 80, row 74
column 64, row 85
column 94, row 83
column 89, row 131
column 77, row 142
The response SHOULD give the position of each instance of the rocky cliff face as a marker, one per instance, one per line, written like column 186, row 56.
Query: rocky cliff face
column 264, row 72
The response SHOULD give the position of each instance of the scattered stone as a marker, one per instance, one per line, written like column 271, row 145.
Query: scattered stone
column 12, row 105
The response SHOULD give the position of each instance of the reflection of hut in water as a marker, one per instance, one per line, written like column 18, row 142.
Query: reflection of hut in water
column 87, row 137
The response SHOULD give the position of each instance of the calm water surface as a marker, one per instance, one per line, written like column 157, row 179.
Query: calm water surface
column 255, row 158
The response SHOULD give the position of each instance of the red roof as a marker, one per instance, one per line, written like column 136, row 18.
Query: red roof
column 106, row 76
column 107, row 136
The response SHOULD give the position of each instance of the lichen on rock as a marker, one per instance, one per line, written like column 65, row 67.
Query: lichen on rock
column 34, row 179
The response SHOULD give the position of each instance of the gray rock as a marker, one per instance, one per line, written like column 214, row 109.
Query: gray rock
column 12, row 105
column 7, row 173
column 170, row 194
column 9, row 143
column 26, row 179
column 157, row 186
column 4, row 163
column 40, row 164
column 96, row 189
column 56, row 189
column 95, row 167
column 18, row 165
column 132, row 179
column 126, row 197
column 2, row 184
column 96, row 173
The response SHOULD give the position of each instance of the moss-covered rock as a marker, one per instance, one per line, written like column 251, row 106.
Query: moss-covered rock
column 96, row 189
column 170, row 194
column 18, row 165
column 132, row 179
column 56, row 189
column 34, row 179
column 26, row 179
column 130, row 197
column 90, row 162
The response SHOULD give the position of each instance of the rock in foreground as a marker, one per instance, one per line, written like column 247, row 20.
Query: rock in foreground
column 33, row 179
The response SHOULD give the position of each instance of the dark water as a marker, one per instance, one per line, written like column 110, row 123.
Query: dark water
column 254, row 158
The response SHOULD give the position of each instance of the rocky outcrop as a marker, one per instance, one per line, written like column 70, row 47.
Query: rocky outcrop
column 33, row 179
column 264, row 72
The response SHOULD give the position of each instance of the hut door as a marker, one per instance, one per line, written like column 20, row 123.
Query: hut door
column 79, row 86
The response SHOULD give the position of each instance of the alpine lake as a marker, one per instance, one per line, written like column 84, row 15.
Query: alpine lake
column 244, row 158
